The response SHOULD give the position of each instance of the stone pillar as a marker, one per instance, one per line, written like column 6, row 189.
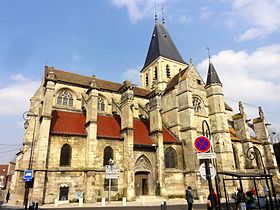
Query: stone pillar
column 157, row 133
column 219, row 127
column 41, row 146
column 91, row 128
column 262, row 134
column 241, row 129
column 127, row 98
column 188, row 132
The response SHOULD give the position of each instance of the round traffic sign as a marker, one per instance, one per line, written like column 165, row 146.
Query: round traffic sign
column 202, row 144
column 202, row 171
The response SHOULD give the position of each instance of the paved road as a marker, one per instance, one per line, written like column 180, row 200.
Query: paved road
column 171, row 207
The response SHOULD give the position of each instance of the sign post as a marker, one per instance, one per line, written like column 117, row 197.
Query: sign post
column 202, row 144
column 111, row 172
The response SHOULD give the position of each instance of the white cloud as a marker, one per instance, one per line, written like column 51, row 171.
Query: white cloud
column 14, row 98
column 251, row 77
column 262, row 17
column 184, row 19
column 131, row 75
column 137, row 9
column 205, row 13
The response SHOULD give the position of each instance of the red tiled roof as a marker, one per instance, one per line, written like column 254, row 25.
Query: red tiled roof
column 109, row 127
column 168, row 137
column 141, row 132
column 3, row 169
column 70, row 123
column 73, row 123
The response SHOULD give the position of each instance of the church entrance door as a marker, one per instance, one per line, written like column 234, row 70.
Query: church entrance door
column 141, row 183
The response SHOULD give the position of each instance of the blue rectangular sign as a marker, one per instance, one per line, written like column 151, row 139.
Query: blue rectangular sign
column 28, row 175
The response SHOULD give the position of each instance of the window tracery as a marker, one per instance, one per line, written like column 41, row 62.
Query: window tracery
column 65, row 98
column 170, row 158
column 101, row 104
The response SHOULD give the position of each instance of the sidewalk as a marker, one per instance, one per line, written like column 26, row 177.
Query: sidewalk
column 138, row 202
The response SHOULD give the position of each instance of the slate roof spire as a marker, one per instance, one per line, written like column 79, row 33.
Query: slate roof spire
column 212, row 76
column 162, row 45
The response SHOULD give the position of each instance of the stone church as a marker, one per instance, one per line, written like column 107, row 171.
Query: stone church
column 77, row 124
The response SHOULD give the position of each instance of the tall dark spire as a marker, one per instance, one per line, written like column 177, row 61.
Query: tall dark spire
column 162, row 45
column 212, row 76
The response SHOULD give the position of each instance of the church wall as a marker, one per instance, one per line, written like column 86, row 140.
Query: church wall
column 116, row 145
column 174, row 179
column 78, row 151
column 75, row 181
column 169, row 110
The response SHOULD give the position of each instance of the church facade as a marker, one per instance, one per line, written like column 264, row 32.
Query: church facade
column 79, row 124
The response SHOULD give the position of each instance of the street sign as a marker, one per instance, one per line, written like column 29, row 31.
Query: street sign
column 112, row 172
column 28, row 175
column 202, row 171
column 202, row 144
column 204, row 155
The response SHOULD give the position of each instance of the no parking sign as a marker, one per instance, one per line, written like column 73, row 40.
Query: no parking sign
column 202, row 144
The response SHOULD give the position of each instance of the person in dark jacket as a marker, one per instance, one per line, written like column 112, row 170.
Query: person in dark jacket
column 240, row 199
column 189, row 198
column 8, row 196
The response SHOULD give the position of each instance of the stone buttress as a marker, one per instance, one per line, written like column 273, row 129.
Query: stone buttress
column 127, row 97
column 156, row 132
column 91, row 128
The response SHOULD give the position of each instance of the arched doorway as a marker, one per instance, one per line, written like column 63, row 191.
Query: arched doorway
column 142, row 179
column 141, row 183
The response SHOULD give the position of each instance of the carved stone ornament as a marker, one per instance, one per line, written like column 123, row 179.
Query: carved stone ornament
column 261, row 114
column 143, row 164
column 196, row 104
column 241, row 108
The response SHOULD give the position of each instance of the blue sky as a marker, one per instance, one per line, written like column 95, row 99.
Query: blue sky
column 110, row 38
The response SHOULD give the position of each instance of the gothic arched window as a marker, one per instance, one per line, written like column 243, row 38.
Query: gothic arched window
column 101, row 104
column 65, row 155
column 168, row 71
column 170, row 158
column 236, row 158
column 108, row 154
column 65, row 98
column 155, row 73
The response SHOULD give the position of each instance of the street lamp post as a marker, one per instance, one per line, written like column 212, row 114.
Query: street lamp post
column 26, row 116
column 253, row 153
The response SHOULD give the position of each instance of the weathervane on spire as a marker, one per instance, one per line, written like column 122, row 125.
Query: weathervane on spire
column 209, row 54
column 162, row 15
column 156, row 18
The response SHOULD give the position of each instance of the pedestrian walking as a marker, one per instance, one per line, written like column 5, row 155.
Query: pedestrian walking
column 189, row 197
column 240, row 199
column 215, row 199
column 8, row 196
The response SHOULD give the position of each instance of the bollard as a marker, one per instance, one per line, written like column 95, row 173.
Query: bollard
column 30, row 207
column 124, row 201
column 56, row 202
column 36, row 206
column 80, row 202
column 103, row 202
column 143, row 201
column 161, row 206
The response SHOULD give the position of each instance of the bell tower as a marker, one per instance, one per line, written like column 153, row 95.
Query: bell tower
column 163, row 60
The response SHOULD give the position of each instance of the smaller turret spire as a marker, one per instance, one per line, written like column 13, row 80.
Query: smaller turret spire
column 212, row 76
column 162, row 15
